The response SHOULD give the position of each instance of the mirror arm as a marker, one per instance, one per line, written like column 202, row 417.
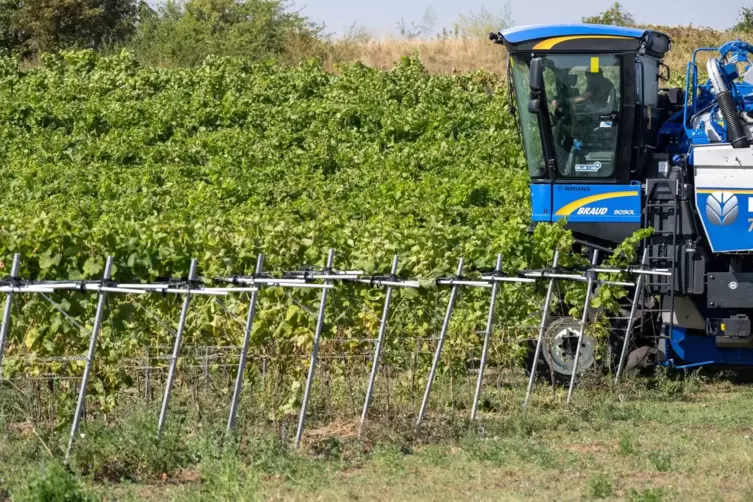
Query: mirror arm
column 669, row 73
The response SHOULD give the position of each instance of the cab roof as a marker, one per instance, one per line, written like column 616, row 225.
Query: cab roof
column 597, row 38
column 536, row 32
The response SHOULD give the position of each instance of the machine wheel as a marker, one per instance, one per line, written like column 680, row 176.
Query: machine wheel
column 557, row 359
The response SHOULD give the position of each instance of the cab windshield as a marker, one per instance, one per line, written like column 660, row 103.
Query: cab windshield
column 583, row 102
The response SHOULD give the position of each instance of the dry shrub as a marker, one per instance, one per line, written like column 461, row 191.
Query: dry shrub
column 449, row 55
column 439, row 56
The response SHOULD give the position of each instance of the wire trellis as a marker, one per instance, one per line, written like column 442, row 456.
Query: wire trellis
column 367, row 356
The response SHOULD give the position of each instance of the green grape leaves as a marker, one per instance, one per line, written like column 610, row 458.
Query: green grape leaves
column 220, row 162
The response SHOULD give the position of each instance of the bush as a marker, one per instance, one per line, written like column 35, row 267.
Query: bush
column 478, row 24
column 37, row 26
column 52, row 482
column 184, row 34
column 648, row 495
column 131, row 450
column 615, row 15
column 746, row 20
column 600, row 486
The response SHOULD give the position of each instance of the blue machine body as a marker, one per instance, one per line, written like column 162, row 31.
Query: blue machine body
column 584, row 203
column 699, row 136
column 726, row 214
column 692, row 350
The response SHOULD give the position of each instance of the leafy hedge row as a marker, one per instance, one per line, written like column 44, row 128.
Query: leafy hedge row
column 156, row 166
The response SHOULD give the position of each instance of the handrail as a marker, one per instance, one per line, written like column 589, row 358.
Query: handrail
column 693, row 102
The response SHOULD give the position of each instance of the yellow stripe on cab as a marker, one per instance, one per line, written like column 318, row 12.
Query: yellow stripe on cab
column 549, row 43
column 569, row 208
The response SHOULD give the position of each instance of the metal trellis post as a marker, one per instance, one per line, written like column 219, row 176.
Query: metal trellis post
column 244, row 350
column 542, row 330
column 378, row 349
column 440, row 344
column 314, row 354
column 487, row 338
column 5, row 328
column 89, row 360
column 583, row 324
column 176, row 350
column 637, row 298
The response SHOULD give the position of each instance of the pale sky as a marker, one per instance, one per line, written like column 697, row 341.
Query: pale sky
column 381, row 16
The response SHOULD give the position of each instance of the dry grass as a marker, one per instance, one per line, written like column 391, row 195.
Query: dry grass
column 447, row 56
column 440, row 56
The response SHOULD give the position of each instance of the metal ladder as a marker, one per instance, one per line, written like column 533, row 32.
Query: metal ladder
column 662, row 210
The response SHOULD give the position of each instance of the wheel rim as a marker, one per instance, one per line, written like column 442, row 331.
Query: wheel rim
column 561, row 343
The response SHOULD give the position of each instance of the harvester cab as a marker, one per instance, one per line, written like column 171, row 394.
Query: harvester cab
column 589, row 113
column 611, row 150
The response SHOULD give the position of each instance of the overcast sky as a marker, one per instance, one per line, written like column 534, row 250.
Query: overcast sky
column 382, row 16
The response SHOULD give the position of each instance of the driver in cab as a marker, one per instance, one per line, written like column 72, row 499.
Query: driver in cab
column 575, row 116
column 598, row 90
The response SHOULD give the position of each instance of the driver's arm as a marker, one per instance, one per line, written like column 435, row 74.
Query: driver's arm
column 587, row 94
column 583, row 97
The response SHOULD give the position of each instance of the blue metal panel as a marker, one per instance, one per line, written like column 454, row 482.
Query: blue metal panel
column 597, row 203
column 727, row 217
column 526, row 33
column 691, row 349
column 541, row 202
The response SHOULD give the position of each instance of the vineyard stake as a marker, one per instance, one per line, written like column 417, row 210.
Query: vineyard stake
column 637, row 298
column 244, row 350
column 148, row 378
column 206, row 369
column 583, row 324
column 176, row 350
column 6, row 313
column 89, row 359
column 378, row 350
column 542, row 330
column 487, row 337
column 440, row 343
column 314, row 354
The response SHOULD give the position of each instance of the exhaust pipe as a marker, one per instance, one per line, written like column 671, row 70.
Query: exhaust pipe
column 735, row 131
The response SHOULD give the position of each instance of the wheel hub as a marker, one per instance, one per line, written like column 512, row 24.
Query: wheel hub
column 561, row 344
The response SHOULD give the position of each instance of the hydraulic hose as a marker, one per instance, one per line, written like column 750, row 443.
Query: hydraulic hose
column 735, row 131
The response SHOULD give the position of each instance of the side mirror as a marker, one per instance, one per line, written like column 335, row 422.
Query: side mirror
column 536, row 75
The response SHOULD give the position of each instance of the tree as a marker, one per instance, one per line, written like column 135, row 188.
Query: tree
column 8, row 35
column 186, row 33
column 417, row 31
column 480, row 24
column 746, row 20
column 47, row 26
column 615, row 15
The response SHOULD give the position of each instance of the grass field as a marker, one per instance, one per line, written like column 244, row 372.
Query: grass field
column 658, row 439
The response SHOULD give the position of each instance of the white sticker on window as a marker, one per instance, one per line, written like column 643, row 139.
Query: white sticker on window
column 663, row 167
column 588, row 168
